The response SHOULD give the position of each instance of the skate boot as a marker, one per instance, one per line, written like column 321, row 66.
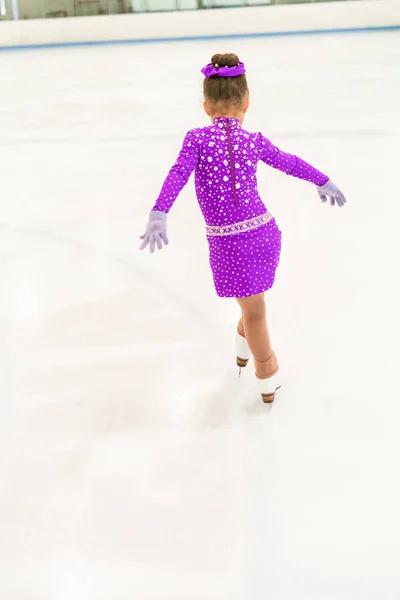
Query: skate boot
column 268, row 387
column 243, row 353
column 268, row 383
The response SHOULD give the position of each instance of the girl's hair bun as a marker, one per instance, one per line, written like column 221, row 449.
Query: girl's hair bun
column 225, row 60
column 225, row 93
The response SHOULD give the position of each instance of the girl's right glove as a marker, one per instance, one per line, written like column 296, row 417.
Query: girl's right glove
column 329, row 190
column 156, row 231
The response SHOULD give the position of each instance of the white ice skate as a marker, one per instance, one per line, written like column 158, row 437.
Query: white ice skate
column 243, row 353
column 268, row 387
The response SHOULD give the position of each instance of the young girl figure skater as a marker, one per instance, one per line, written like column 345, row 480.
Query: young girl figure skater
column 243, row 237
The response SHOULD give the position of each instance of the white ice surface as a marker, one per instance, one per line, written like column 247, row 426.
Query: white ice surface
column 134, row 464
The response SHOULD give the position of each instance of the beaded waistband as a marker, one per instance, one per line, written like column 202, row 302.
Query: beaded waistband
column 241, row 227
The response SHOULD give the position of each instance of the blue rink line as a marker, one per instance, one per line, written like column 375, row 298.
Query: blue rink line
column 199, row 38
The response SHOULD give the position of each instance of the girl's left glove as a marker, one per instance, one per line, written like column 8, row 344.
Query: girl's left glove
column 329, row 190
column 156, row 231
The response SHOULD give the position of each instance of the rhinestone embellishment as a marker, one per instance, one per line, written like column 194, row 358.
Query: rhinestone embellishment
column 235, row 228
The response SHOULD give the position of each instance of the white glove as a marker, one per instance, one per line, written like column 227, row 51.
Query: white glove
column 329, row 190
column 156, row 231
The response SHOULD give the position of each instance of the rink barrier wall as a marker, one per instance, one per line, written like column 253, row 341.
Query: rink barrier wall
column 263, row 21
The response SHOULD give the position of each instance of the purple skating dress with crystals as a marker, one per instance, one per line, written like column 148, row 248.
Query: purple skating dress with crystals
column 243, row 238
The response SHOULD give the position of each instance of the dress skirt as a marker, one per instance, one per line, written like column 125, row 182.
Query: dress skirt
column 244, row 264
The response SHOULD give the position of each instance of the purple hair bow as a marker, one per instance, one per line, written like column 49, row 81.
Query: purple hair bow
column 210, row 70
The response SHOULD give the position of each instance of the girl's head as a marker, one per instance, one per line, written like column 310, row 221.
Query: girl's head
column 225, row 95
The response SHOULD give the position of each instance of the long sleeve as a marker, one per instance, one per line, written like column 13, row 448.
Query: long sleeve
column 288, row 163
column 179, row 174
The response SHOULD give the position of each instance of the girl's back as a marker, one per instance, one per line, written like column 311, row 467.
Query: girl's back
column 225, row 158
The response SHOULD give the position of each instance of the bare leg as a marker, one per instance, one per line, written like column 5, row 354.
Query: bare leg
column 254, row 322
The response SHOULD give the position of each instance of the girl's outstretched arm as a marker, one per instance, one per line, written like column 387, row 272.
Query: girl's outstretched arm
column 289, row 163
column 179, row 174
column 297, row 167
column 156, row 229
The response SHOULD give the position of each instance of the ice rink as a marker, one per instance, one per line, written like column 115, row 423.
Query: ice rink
column 135, row 465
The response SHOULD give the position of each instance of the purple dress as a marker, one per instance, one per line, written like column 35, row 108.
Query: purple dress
column 243, row 238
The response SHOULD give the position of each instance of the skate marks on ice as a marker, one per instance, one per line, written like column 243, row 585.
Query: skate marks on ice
column 97, row 368
column 103, row 367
